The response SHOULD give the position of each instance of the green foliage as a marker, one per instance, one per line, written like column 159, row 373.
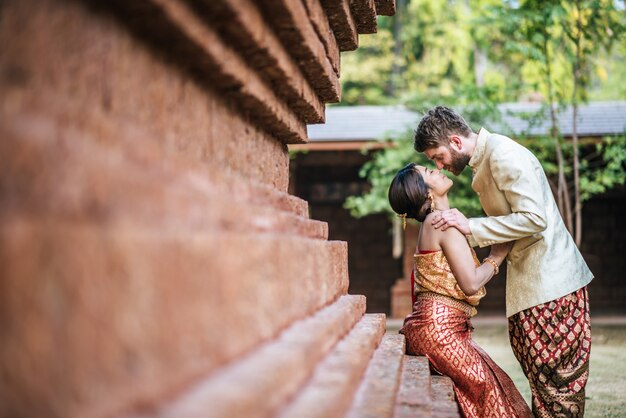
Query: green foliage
column 610, row 172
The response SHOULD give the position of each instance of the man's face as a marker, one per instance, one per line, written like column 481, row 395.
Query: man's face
column 447, row 158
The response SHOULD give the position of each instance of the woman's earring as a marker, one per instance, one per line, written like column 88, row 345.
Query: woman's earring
column 432, row 204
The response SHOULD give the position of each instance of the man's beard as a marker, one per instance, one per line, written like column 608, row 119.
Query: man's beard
column 459, row 162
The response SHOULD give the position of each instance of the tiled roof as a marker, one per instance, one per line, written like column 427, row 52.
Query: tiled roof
column 359, row 123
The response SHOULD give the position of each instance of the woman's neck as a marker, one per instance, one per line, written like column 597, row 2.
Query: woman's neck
column 442, row 203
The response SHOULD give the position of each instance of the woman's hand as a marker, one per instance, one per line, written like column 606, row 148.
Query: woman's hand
column 500, row 251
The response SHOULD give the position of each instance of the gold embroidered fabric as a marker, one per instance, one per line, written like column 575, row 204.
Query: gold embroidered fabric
column 433, row 274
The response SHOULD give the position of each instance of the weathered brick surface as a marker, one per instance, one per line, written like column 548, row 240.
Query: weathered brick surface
column 90, row 72
column 386, row 7
column 66, row 173
column 214, row 60
column 322, row 27
column 444, row 401
column 146, row 306
column 329, row 392
column 364, row 12
column 376, row 397
column 261, row 382
column 290, row 20
column 343, row 24
column 415, row 393
column 242, row 23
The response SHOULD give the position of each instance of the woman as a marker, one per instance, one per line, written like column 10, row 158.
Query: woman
column 448, row 282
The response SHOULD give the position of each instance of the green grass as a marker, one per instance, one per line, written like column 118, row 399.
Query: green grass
column 606, row 387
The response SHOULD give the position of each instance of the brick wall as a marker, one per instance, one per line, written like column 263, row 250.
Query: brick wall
column 147, row 238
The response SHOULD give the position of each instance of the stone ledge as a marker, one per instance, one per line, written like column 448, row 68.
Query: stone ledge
column 376, row 397
column 386, row 7
column 141, row 311
column 343, row 24
column 259, row 384
column 86, row 180
column 291, row 22
column 444, row 401
column 242, row 23
column 330, row 391
column 415, row 393
column 322, row 27
column 364, row 12
column 185, row 39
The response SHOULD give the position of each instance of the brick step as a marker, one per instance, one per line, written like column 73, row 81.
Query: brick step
column 242, row 24
column 62, row 176
column 180, row 117
column 336, row 379
column 261, row 382
column 167, row 291
column 444, row 401
column 376, row 397
column 200, row 50
column 415, row 393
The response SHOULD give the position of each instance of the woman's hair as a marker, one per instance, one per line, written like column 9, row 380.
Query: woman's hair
column 408, row 194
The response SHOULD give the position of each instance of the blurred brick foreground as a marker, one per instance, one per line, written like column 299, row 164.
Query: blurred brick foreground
column 152, row 262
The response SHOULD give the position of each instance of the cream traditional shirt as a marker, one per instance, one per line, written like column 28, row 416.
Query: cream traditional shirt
column 544, row 263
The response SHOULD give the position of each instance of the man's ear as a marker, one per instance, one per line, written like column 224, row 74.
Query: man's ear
column 456, row 142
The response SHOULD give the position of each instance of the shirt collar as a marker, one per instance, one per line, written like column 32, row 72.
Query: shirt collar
column 479, row 150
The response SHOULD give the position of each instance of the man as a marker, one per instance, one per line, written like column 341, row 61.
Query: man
column 546, row 294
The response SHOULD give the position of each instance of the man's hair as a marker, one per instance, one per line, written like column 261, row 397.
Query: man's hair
column 436, row 127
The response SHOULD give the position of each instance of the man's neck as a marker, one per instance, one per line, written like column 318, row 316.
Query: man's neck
column 470, row 142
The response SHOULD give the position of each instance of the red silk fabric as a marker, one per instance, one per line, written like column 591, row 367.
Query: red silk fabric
column 443, row 334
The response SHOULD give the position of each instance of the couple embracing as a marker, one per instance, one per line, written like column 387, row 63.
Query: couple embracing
column 546, row 295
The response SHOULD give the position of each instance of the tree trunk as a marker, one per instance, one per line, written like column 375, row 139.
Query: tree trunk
column 577, row 68
column 562, row 193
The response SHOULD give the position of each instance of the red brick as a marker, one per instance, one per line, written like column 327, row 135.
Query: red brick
column 260, row 383
column 386, row 7
column 330, row 391
column 291, row 22
column 60, row 172
column 343, row 24
column 415, row 393
column 322, row 27
column 444, row 401
column 84, row 67
column 228, row 70
column 364, row 12
column 111, row 316
column 376, row 397
column 246, row 30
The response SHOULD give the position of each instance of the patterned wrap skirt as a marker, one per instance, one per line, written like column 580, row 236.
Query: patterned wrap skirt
column 441, row 331
column 552, row 342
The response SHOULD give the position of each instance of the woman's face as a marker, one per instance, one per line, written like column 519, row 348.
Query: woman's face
column 438, row 182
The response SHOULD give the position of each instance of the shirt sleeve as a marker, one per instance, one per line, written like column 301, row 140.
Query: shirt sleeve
column 520, row 177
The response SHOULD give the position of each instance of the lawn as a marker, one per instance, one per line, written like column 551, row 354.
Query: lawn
column 607, row 381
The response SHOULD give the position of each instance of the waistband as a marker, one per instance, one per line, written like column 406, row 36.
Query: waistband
column 448, row 301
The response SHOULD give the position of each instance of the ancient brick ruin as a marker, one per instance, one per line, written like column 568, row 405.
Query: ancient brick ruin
column 152, row 262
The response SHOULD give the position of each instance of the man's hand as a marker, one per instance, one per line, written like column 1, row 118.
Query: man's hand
column 451, row 218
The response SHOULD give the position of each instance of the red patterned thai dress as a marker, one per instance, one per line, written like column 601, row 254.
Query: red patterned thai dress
column 440, row 329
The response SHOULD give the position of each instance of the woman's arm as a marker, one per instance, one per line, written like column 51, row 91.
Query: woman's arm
column 459, row 255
